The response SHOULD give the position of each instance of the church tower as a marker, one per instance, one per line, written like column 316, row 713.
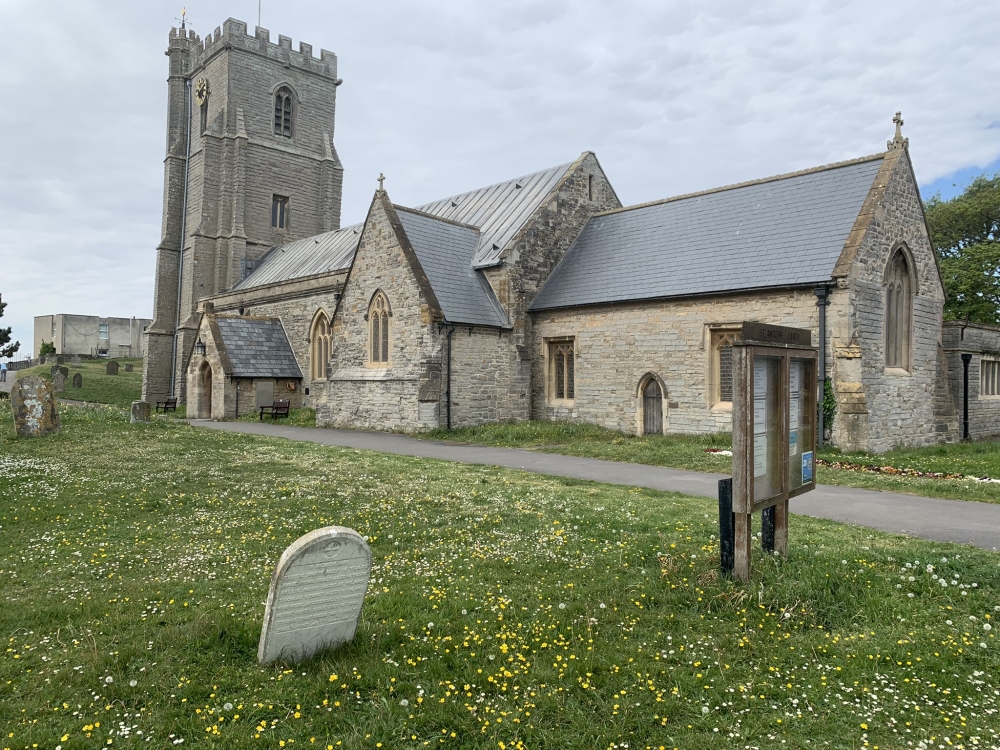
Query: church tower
column 250, row 165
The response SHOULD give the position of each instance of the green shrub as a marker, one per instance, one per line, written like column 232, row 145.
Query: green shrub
column 47, row 347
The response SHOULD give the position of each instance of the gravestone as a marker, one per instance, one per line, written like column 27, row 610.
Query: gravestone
column 59, row 380
column 316, row 594
column 59, row 368
column 78, row 380
column 76, row 361
column 33, row 400
column 112, row 368
column 140, row 411
column 128, row 368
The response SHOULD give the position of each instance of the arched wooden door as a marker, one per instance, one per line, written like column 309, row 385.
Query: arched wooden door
column 652, row 409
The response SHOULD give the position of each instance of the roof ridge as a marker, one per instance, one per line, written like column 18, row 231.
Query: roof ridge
column 566, row 165
column 734, row 186
column 418, row 212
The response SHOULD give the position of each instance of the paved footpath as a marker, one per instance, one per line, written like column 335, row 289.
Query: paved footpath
column 943, row 520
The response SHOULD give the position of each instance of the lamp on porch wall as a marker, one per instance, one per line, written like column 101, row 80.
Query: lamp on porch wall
column 199, row 348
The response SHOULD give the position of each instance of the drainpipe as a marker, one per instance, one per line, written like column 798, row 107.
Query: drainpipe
column 822, row 300
column 447, row 387
column 180, row 250
column 966, row 358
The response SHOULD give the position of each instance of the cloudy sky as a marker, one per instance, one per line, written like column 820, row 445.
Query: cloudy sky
column 447, row 96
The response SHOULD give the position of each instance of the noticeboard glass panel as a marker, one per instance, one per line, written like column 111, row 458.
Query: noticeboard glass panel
column 801, row 422
column 766, row 416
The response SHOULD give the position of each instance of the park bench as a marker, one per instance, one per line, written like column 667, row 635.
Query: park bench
column 279, row 408
column 169, row 405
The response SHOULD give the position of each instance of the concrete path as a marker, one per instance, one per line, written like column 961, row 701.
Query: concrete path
column 942, row 520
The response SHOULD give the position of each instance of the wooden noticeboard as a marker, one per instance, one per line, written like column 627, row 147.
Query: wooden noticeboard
column 774, row 431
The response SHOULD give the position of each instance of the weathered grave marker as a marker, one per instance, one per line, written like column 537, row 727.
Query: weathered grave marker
column 112, row 368
column 316, row 594
column 128, row 368
column 140, row 411
column 33, row 400
column 59, row 368
column 75, row 361
column 78, row 380
column 59, row 381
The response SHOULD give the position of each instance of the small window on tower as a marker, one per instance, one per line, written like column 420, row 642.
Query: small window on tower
column 283, row 112
column 279, row 212
column 590, row 187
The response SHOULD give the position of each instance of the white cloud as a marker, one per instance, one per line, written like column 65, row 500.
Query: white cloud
column 447, row 96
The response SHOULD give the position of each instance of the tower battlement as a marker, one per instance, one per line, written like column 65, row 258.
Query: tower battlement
column 233, row 34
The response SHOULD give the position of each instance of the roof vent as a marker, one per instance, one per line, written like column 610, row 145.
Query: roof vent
column 496, row 246
column 518, row 186
column 454, row 204
column 355, row 231
column 316, row 241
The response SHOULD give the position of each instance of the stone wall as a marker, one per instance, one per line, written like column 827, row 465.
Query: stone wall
column 618, row 345
column 889, row 407
column 980, row 341
column 486, row 378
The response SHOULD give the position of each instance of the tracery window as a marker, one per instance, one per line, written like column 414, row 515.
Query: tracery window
column 562, row 369
column 898, row 312
column 280, row 216
column 722, row 365
column 283, row 112
column 319, row 347
column 378, row 326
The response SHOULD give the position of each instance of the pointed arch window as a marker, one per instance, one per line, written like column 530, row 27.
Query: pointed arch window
column 319, row 347
column 898, row 312
column 283, row 112
column 378, row 326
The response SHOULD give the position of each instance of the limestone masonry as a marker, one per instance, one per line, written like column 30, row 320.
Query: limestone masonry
column 540, row 297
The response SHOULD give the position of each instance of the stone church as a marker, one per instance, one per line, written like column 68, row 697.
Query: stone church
column 540, row 297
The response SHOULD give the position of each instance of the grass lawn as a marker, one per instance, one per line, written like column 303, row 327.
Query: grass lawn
column 506, row 610
column 688, row 452
column 98, row 387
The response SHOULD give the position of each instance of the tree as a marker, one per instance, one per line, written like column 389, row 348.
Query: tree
column 46, row 348
column 7, row 349
column 966, row 233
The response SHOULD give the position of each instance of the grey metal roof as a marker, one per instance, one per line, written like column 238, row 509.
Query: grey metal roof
column 781, row 232
column 445, row 251
column 498, row 210
column 331, row 251
column 258, row 348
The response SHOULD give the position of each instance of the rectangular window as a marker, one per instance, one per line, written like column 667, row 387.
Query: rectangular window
column 590, row 187
column 722, row 366
column 279, row 212
column 989, row 377
column 562, row 370
column 102, row 330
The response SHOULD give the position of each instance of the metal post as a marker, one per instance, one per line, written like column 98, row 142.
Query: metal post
column 767, row 529
column 822, row 300
column 727, row 526
column 966, row 358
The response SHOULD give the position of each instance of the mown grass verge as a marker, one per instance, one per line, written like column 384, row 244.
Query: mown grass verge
column 689, row 452
column 506, row 610
column 296, row 418
column 98, row 387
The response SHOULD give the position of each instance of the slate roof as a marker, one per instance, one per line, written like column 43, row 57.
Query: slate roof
column 780, row 232
column 258, row 348
column 445, row 251
column 498, row 210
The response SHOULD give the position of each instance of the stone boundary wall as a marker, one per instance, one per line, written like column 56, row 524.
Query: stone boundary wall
column 980, row 341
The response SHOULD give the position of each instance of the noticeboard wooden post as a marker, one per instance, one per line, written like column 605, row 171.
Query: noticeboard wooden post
column 774, row 432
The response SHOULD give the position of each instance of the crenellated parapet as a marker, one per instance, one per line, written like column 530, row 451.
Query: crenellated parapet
column 233, row 34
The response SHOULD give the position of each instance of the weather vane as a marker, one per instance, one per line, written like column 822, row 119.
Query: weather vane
column 183, row 18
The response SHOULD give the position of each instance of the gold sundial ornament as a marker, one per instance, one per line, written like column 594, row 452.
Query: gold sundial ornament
column 201, row 91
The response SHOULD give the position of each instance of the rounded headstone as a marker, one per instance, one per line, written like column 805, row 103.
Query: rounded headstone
column 33, row 400
column 316, row 594
column 112, row 368
column 140, row 411
column 78, row 380
column 128, row 368
column 59, row 380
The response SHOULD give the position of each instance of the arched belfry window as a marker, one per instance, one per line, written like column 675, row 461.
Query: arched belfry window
column 319, row 346
column 283, row 112
column 378, row 327
column 898, row 312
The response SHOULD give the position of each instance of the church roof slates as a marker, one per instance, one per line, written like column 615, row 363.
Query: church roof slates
column 257, row 348
column 445, row 251
column 778, row 233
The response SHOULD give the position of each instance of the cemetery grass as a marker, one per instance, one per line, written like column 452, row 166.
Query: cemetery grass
column 98, row 387
column 505, row 610
column 979, row 459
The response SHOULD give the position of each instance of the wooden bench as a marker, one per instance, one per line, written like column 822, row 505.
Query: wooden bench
column 169, row 405
column 279, row 408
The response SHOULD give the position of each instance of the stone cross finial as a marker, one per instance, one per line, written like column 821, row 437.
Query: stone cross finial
column 898, row 140
column 381, row 180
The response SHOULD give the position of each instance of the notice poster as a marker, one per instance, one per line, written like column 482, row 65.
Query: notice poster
column 759, row 455
column 807, row 467
column 795, row 377
column 760, row 416
column 793, row 412
column 793, row 442
column 759, row 379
